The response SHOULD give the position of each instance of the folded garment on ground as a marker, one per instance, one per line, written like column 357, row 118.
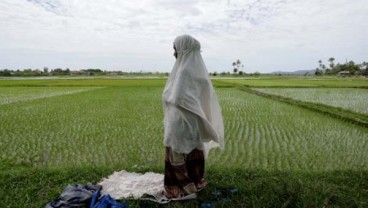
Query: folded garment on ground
column 124, row 184
column 105, row 201
column 74, row 196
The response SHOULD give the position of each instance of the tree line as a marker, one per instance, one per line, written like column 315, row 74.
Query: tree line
column 56, row 72
column 348, row 68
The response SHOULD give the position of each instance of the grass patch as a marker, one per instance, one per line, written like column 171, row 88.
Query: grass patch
column 34, row 187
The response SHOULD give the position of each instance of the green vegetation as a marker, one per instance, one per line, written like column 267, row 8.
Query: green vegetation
column 54, row 131
column 294, row 81
column 57, row 132
column 262, row 133
column 237, row 64
column 46, row 72
column 340, row 113
column 34, row 187
column 348, row 68
column 18, row 94
column 347, row 98
column 83, row 82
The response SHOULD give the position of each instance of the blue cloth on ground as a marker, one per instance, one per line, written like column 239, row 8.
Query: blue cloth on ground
column 75, row 196
column 105, row 202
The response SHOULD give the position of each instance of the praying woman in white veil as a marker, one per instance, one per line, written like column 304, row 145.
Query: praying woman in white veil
column 192, row 119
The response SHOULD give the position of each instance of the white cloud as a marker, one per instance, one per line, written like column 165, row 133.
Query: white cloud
column 267, row 35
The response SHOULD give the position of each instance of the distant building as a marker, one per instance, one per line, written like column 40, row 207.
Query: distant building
column 74, row 73
column 363, row 67
column 344, row 73
column 37, row 72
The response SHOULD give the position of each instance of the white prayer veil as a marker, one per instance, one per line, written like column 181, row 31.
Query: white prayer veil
column 193, row 116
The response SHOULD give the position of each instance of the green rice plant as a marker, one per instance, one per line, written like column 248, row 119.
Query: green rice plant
column 295, row 82
column 276, row 154
column 83, row 82
column 122, row 127
column 348, row 98
column 266, row 134
column 100, row 127
column 17, row 94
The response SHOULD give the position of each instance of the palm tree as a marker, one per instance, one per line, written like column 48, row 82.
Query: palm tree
column 331, row 60
column 235, row 69
column 237, row 65
column 238, row 62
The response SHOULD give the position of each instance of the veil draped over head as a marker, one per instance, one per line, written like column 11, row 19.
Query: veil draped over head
column 192, row 113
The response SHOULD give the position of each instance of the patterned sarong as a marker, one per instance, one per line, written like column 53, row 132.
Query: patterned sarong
column 184, row 173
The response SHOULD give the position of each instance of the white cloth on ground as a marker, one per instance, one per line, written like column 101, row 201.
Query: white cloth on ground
column 124, row 184
column 148, row 186
column 193, row 116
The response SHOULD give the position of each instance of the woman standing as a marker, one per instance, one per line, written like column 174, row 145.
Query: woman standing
column 193, row 120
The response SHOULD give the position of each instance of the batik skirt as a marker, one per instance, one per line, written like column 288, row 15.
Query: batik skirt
column 184, row 173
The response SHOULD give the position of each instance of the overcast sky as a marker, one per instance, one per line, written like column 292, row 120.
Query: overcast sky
column 266, row 35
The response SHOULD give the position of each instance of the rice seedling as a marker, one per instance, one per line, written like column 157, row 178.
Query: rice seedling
column 17, row 94
column 264, row 134
column 353, row 99
column 277, row 154
column 122, row 126
column 296, row 81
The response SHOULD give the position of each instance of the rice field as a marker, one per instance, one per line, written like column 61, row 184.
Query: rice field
column 264, row 134
column 121, row 126
column 55, row 132
column 98, row 126
column 353, row 99
column 18, row 94
column 297, row 81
